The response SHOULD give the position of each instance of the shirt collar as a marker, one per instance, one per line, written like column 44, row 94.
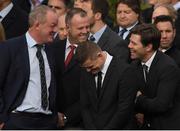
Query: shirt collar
column 128, row 28
column 30, row 41
column 6, row 10
column 176, row 6
column 149, row 62
column 99, row 33
column 107, row 63
column 68, row 44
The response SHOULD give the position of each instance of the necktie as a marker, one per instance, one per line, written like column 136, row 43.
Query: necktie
column 145, row 71
column 70, row 55
column 99, row 83
column 92, row 38
column 121, row 33
column 44, row 98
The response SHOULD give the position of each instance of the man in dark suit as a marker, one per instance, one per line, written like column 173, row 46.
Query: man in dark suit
column 101, row 34
column 158, row 98
column 166, row 26
column 68, row 74
column 27, row 84
column 127, row 17
column 13, row 19
column 107, row 89
column 28, row 5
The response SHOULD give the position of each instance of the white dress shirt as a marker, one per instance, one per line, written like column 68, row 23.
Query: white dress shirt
column 32, row 99
column 105, row 67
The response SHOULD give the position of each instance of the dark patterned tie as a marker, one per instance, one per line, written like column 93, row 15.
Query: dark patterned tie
column 121, row 33
column 145, row 70
column 92, row 38
column 44, row 98
column 99, row 83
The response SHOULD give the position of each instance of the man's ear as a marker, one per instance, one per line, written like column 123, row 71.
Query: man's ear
column 149, row 47
column 100, row 54
column 36, row 24
column 98, row 16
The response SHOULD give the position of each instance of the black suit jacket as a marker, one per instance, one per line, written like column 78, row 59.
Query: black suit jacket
column 160, row 102
column 174, row 53
column 14, row 75
column 147, row 14
column 114, row 108
column 68, row 85
column 25, row 4
column 177, row 25
column 113, row 44
column 15, row 23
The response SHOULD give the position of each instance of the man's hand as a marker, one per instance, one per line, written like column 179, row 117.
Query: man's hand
column 1, row 125
column 61, row 121
column 140, row 118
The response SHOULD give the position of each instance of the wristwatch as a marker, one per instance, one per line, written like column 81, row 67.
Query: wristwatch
column 65, row 119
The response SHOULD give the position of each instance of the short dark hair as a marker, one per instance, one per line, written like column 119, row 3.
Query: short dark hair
column 149, row 35
column 73, row 12
column 102, row 7
column 86, row 50
column 164, row 18
column 133, row 4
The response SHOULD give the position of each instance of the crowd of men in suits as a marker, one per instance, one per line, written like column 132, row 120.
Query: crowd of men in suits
column 64, row 65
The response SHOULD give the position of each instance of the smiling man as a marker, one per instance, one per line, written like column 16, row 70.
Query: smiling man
column 158, row 97
column 107, row 90
column 68, row 70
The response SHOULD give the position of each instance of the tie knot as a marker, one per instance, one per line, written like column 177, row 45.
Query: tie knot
column 121, row 33
column 145, row 67
column 92, row 38
column 39, row 47
column 72, row 47
column 99, row 73
column 124, row 30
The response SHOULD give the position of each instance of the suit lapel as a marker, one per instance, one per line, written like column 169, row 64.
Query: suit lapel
column 25, row 57
column 103, row 39
column 152, row 69
column 71, row 64
column 107, row 77
column 92, row 89
column 10, row 17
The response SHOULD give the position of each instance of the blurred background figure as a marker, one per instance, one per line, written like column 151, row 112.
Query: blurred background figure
column 28, row 5
column 164, row 9
column 60, row 6
column 127, row 17
column 2, row 33
column 166, row 26
column 147, row 13
column 13, row 19
column 62, row 30
column 86, row 5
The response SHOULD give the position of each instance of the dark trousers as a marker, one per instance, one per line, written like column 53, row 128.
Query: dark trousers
column 24, row 120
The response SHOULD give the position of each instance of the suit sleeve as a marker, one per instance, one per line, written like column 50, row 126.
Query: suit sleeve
column 4, row 66
column 85, row 105
column 126, row 95
column 166, row 89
